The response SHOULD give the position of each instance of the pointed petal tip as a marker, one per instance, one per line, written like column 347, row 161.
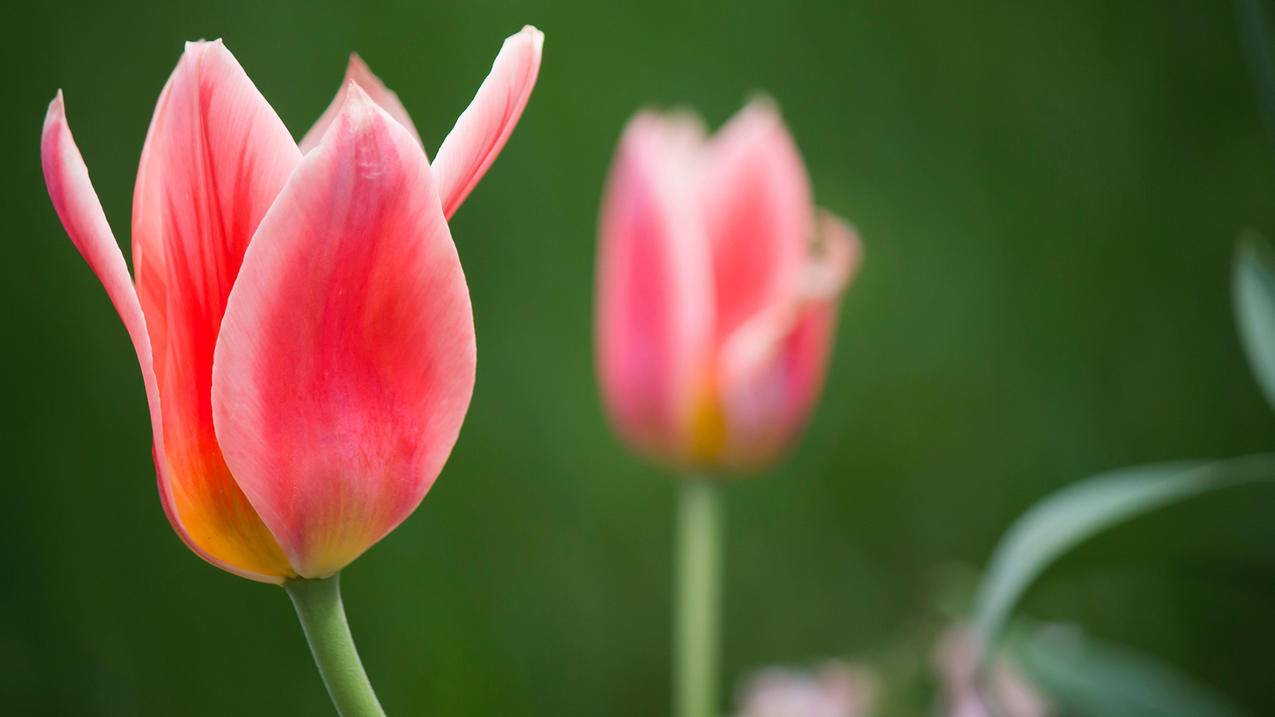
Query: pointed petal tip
column 198, row 51
column 678, row 124
column 529, row 43
column 358, row 72
column 533, row 34
column 360, row 113
column 759, row 123
column 841, row 253
column 201, row 44
column 357, row 68
column 760, row 119
column 762, row 101
column 483, row 128
column 762, row 112
column 357, row 103
column 56, row 110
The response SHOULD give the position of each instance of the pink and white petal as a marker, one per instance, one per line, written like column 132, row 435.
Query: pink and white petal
column 654, row 302
column 773, row 367
column 484, row 127
column 758, row 208
column 837, row 255
column 346, row 358
column 358, row 72
column 215, row 157
column 81, row 213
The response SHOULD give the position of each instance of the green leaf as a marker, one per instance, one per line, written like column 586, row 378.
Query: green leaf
column 1076, row 513
column 1253, row 287
column 1084, row 677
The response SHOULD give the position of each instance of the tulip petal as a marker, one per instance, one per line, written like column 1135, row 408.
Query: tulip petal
column 773, row 367
column 654, row 310
column 215, row 158
column 357, row 71
column 757, row 205
column 345, row 363
column 81, row 213
column 482, row 129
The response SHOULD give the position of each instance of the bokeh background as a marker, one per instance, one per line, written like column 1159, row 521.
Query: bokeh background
column 1049, row 195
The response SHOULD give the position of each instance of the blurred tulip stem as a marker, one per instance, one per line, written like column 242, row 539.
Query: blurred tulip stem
column 698, row 598
column 322, row 615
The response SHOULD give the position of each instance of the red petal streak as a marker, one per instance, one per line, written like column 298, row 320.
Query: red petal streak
column 359, row 73
column 345, row 363
column 215, row 158
column 482, row 129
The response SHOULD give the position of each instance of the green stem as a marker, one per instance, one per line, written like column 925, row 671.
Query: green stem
column 697, row 599
column 322, row 615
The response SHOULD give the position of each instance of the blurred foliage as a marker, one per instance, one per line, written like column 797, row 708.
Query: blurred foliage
column 1088, row 678
column 1048, row 195
column 1078, row 512
column 1253, row 289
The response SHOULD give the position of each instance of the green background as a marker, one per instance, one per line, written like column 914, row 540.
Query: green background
column 1048, row 193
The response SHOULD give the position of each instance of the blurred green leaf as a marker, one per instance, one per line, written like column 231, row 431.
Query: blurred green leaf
column 1084, row 677
column 1253, row 286
column 1076, row 513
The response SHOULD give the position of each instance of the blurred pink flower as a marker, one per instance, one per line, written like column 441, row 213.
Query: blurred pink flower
column 956, row 659
column 718, row 285
column 836, row 690
column 299, row 313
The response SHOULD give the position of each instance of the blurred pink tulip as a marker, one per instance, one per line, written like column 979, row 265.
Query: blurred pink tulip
column 300, row 314
column 717, row 289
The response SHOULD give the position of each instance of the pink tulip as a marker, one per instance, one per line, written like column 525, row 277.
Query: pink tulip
column 300, row 314
column 717, row 289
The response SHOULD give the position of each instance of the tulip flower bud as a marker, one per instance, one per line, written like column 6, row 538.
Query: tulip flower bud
column 718, row 285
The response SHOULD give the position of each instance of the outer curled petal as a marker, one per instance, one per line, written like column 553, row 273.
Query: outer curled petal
column 758, row 208
column 215, row 158
column 482, row 129
column 654, row 312
column 345, row 363
column 81, row 214
column 772, row 369
column 359, row 73
column 77, row 205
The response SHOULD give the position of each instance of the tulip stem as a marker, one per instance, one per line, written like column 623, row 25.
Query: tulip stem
column 697, row 598
column 322, row 614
